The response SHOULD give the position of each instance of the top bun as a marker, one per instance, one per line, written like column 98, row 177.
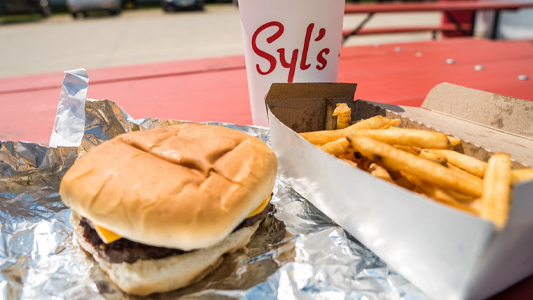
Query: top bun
column 185, row 186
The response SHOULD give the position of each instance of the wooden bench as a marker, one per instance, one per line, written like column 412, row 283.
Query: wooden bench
column 387, row 30
column 444, row 7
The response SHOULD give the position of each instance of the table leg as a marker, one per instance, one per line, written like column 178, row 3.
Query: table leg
column 495, row 24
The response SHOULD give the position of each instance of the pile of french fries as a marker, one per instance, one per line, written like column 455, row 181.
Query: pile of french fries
column 423, row 162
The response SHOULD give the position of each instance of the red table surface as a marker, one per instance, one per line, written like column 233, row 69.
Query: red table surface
column 215, row 89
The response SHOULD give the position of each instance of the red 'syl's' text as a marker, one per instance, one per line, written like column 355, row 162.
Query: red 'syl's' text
column 292, row 63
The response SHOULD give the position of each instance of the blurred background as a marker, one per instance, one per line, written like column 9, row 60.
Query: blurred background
column 43, row 36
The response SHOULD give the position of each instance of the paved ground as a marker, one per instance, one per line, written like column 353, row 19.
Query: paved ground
column 145, row 36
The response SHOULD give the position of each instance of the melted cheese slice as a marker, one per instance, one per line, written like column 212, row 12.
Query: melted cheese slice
column 106, row 235
column 109, row 236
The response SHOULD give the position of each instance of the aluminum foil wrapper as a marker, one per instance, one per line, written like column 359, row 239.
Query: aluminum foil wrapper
column 297, row 253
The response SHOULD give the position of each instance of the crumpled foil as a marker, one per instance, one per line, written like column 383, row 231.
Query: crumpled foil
column 298, row 252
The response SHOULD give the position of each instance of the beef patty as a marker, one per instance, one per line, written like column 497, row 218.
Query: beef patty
column 124, row 250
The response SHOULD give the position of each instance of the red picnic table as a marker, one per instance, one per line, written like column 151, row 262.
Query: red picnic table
column 448, row 8
column 215, row 89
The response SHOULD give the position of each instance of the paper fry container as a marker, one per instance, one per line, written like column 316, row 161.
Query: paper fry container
column 446, row 253
column 289, row 41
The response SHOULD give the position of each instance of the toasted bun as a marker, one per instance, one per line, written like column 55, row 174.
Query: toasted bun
column 185, row 186
column 149, row 276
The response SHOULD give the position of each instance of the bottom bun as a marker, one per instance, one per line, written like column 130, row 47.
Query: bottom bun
column 148, row 276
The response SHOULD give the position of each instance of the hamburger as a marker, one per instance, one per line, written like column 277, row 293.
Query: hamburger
column 158, row 209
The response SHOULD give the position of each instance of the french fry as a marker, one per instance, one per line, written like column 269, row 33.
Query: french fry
column 393, row 122
column 376, row 122
column 379, row 172
column 405, row 183
column 432, row 172
column 434, row 157
column 436, row 193
column 459, row 170
column 394, row 174
column 476, row 204
column 343, row 114
column 497, row 189
column 408, row 137
column 478, row 167
column 348, row 155
column 522, row 175
column 425, row 153
column 465, row 199
column 412, row 150
column 471, row 209
column 465, row 162
column 320, row 138
column 454, row 141
column 338, row 147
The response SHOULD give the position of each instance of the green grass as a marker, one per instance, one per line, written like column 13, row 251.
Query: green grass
column 20, row 18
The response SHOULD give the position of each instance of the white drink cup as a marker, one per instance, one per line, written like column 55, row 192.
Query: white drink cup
column 289, row 41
